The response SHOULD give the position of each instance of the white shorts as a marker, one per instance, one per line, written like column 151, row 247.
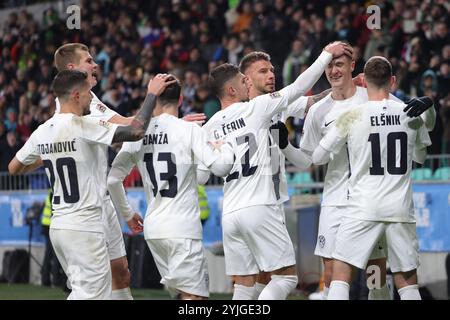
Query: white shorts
column 85, row 261
column 329, row 221
column 356, row 239
column 256, row 239
column 113, row 231
column 181, row 264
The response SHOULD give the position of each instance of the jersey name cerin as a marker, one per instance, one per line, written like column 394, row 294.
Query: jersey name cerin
column 230, row 127
column 385, row 120
column 56, row 147
column 155, row 138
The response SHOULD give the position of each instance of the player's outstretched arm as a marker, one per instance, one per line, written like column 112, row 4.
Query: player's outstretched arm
column 309, row 77
column 120, row 168
column 223, row 164
column 295, row 156
column 335, row 139
column 320, row 156
column 136, row 130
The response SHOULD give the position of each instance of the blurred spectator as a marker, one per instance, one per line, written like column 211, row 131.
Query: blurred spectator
column 11, row 120
column 9, row 148
column 132, row 41
column 298, row 57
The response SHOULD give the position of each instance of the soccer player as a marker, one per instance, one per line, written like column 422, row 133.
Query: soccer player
column 76, row 56
column 319, row 121
column 67, row 144
column 382, row 142
column 260, row 79
column 254, row 233
column 167, row 159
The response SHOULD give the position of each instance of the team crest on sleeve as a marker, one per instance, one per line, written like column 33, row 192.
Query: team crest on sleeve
column 103, row 123
column 275, row 95
column 101, row 107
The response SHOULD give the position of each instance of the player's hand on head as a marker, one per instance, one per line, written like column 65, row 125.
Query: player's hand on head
column 416, row 106
column 280, row 133
column 159, row 83
column 198, row 118
column 359, row 81
column 338, row 49
column 136, row 224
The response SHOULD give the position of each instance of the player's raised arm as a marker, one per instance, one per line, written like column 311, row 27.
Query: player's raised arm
column 139, row 124
column 309, row 77
column 296, row 156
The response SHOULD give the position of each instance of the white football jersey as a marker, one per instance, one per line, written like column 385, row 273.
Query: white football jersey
column 381, row 148
column 245, row 125
column 296, row 109
column 167, row 159
column 67, row 144
column 318, row 122
column 99, row 111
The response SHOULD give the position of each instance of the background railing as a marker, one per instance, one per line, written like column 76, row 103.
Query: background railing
column 435, row 168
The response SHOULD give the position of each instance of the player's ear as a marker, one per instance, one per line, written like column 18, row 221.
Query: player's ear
column 393, row 82
column 180, row 100
column 231, row 91
column 352, row 65
column 70, row 66
column 75, row 95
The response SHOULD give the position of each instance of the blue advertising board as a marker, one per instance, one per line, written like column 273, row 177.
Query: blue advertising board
column 432, row 202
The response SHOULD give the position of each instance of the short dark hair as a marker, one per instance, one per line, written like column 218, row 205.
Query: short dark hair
column 67, row 53
column 251, row 58
column 67, row 80
column 171, row 93
column 378, row 71
column 219, row 76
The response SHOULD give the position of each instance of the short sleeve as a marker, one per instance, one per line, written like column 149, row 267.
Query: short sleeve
column 99, row 110
column 29, row 153
column 423, row 138
column 97, row 131
column 311, row 133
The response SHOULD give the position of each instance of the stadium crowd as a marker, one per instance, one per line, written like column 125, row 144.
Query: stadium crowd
column 132, row 41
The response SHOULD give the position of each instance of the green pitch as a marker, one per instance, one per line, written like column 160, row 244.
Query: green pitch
column 32, row 292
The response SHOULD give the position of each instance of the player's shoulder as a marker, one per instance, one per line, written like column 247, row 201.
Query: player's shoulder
column 97, row 104
column 361, row 92
column 320, row 109
column 396, row 104
column 217, row 117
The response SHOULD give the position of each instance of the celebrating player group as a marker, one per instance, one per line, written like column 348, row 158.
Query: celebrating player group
column 366, row 136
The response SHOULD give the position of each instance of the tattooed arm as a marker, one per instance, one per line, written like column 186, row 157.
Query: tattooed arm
column 136, row 129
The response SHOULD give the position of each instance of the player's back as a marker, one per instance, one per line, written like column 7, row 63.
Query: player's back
column 98, row 111
column 168, row 167
column 381, row 145
column 72, row 167
column 245, row 126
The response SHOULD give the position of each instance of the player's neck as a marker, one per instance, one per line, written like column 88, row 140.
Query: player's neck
column 71, row 108
column 343, row 93
column 377, row 94
column 228, row 101
column 254, row 93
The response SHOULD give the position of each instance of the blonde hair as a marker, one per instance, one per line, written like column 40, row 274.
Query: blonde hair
column 67, row 53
